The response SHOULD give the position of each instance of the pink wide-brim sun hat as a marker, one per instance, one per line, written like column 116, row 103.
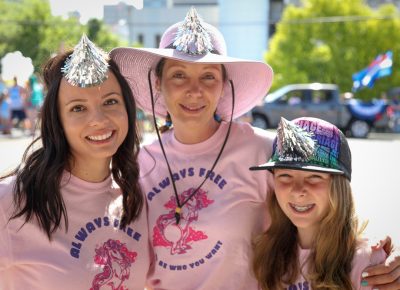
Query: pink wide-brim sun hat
column 251, row 79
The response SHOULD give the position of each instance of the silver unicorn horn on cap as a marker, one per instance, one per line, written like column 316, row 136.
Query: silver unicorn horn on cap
column 294, row 143
column 87, row 66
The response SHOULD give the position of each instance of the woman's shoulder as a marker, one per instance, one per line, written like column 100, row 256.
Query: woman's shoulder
column 6, row 195
column 249, row 130
column 252, row 135
column 146, row 157
column 6, row 186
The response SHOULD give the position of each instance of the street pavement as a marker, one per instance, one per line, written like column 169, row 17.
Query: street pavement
column 375, row 182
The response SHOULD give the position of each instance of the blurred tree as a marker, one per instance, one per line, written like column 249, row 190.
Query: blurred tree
column 101, row 35
column 61, row 35
column 33, row 18
column 93, row 28
column 7, row 28
column 29, row 26
column 329, row 40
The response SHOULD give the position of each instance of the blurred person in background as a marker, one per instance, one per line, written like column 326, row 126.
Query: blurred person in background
column 17, row 95
column 34, row 101
column 5, row 112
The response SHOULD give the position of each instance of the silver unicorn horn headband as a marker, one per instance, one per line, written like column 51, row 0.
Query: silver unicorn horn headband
column 192, row 37
column 294, row 143
column 87, row 66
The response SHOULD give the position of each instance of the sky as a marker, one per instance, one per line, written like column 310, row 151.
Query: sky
column 87, row 8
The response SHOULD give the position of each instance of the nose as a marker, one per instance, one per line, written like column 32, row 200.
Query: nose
column 299, row 188
column 194, row 88
column 98, row 117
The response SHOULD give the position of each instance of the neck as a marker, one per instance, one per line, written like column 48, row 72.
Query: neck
column 196, row 133
column 306, row 237
column 91, row 171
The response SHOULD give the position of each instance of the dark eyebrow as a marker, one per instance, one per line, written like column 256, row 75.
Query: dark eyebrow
column 76, row 100
column 111, row 93
column 85, row 100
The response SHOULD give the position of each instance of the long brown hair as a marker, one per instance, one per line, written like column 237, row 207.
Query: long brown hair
column 37, row 187
column 276, row 260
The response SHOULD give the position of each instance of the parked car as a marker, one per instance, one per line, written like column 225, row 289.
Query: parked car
column 321, row 101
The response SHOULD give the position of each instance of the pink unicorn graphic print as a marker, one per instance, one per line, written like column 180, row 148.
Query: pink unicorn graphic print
column 116, row 260
column 166, row 233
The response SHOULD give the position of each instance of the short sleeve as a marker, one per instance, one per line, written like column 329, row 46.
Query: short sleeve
column 5, row 244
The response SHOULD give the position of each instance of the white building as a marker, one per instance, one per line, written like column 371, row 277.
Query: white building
column 244, row 24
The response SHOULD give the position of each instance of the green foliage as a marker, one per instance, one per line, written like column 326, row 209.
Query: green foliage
column 329, row 40
column 101, row 35
column 28, row 26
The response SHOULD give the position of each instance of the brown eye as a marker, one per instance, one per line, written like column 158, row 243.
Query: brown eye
column 178, row 75
column 209, row 77
column 77, row 109
column 111, row 102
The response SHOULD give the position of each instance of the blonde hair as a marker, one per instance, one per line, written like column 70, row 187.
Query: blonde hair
column 276, row 262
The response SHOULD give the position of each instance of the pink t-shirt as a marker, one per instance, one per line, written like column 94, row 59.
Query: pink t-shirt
column 363, row 258
column 211, row 246
column 93, row 254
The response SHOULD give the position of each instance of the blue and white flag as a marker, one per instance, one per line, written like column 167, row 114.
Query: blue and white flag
column 380, row 67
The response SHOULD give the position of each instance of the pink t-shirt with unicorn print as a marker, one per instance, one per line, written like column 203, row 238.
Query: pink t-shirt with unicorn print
column 210, row 248
column 95, row 252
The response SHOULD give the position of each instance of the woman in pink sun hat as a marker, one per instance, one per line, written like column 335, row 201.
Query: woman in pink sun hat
column 204, row 205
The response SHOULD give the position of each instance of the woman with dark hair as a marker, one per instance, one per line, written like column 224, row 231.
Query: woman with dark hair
column 71, row 214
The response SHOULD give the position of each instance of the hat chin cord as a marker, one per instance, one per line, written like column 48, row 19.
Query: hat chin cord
column 180, row 204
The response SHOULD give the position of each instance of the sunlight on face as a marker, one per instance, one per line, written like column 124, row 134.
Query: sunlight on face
column 191, row 91
column 94, row 119
column 303, row 197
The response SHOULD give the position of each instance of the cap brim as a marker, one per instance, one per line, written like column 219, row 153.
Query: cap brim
column 251, row 79
column 295, row 166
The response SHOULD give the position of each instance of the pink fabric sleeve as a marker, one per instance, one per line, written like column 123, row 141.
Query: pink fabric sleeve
column 5, row 248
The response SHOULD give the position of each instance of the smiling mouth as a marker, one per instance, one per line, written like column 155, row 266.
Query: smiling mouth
column 192, row 109
column 302, row 208
column 102, row 137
